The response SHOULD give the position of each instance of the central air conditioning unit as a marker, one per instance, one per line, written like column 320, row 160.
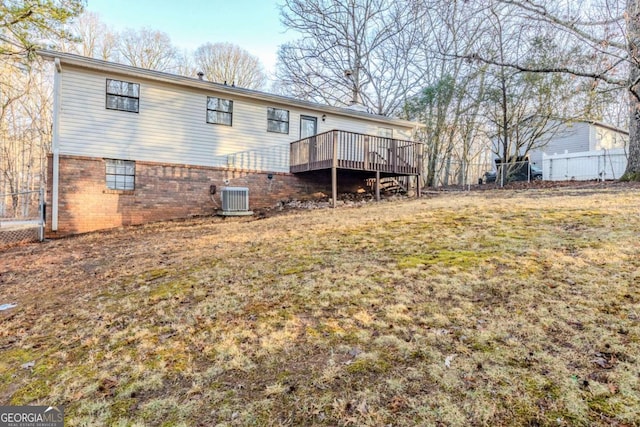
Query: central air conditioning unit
column 235, row 201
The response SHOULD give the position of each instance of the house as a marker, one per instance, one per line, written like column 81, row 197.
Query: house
column 581, row 136
column 580, row 150
column 583, row 150
column 132, row 145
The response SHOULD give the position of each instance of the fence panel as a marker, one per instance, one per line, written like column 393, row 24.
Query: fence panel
column 21, row 217
column 586, row 165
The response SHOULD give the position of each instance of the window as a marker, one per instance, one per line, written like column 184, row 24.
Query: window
column 308, row 126
column 385, row 132
column 277, row 120
column 123, row 96
column 219, row 111
column 120, row 174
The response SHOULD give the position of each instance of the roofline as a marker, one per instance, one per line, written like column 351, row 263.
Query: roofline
column 605, row 125
column 101, row 65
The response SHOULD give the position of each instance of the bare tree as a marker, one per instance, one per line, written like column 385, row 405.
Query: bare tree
column 353, row 52
column 451, row 93
column 25, row 128
column 24, row 122
column 467, row 106
column 524, row 109
column 93, row 38
column 185, row 65
column 610, row 31
column 226, row 62
column 147, row 48
column 12, row 88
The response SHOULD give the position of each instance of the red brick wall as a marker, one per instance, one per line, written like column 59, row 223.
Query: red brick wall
column 165, row 192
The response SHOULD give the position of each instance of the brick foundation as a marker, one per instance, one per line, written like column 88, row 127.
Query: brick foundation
column 166, row 191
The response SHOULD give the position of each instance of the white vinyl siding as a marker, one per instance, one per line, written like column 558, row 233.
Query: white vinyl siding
column 608, row 139
column 385, row 132
column 580, row 137
column 169, row 127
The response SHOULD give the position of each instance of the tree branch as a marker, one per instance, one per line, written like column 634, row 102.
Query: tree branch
column 562, row 70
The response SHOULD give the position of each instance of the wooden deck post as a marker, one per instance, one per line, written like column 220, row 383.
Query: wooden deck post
column 366, row 152
column 377, row 186
column 419, row 176
column 334, row 170
column 394, row 155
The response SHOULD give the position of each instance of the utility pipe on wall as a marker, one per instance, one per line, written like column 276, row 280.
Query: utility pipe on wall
column 55, row 144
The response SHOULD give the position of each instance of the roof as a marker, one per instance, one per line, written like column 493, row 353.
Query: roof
column 605, row 125
column 238, row 92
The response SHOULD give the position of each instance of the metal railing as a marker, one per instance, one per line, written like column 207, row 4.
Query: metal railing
column 21, row 217
column 513, row 171
column 452, row 174
column 457, row 173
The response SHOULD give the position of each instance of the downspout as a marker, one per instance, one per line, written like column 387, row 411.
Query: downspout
column 55, row 144
column 420, row 159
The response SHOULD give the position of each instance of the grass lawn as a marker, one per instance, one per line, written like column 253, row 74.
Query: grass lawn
column 490, row 308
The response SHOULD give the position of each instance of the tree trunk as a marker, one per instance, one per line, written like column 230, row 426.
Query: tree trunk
column 431, row 170
column 633, row 164
column 447, row 169
column 633, row 34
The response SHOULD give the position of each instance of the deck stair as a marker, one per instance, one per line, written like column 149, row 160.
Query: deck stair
column 392, row 185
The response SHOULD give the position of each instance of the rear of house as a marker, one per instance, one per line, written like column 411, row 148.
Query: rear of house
column 132, row 145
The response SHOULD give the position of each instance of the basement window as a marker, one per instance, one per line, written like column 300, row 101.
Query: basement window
column 219, row 111
column 123, row 96
column 277, row 120
column 120, row 174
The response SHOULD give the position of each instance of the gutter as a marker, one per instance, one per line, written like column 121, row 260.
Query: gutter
column 55, row 144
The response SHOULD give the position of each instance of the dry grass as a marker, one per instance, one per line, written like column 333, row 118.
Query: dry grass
column 493, row 308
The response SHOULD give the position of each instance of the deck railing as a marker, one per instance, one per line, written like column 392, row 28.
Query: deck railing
column 349, row 150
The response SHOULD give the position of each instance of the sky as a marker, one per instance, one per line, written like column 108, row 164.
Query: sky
column 254, row 25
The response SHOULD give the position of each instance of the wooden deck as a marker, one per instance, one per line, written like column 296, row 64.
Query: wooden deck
column 347, row 150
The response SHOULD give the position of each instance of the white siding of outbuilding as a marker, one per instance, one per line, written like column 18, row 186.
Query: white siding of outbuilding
column 607, row 139
column 575, row 137
column 578, row 138
column 171, row 125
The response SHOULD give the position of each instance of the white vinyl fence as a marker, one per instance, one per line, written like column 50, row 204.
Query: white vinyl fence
column 586, row 165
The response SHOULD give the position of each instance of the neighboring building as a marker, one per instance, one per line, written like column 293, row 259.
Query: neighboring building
column 132, row 145
column 581, row 150
column 585, row 165
column 579, row 137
